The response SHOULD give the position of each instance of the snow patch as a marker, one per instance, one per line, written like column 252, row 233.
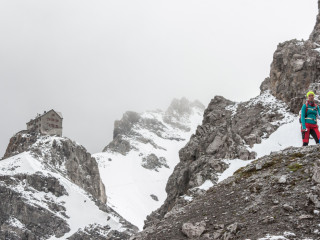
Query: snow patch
column 15, row 223
column 233, row 108
column 270, row 237
column 206, row 185
column 234, row 165
column 287, row 135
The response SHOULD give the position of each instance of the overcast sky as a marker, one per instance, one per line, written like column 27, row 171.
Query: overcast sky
column 94, row 60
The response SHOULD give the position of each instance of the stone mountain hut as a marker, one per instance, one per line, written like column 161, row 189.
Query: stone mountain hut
column 48, row 123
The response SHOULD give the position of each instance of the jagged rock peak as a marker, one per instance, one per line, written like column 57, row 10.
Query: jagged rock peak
column 183, row 106
column 124, row 125
column 66, row 156
column 179, row 115
column 295, row 69
column 228, row 131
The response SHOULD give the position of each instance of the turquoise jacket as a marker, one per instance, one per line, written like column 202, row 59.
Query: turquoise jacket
column 311, row 115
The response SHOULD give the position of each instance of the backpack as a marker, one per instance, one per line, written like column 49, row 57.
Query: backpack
column 306, row 110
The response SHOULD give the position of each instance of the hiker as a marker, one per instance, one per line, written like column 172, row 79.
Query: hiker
column 308, row 118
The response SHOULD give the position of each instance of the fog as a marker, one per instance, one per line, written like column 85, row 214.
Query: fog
column 94, row 60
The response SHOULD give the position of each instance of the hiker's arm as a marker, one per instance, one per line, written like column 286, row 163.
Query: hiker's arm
column 303, row 115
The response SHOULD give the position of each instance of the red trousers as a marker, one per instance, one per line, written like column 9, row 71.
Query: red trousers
column 313, row 130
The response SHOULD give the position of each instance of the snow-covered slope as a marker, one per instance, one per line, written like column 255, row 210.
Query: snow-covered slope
column 135, row 180
column 74, row 199
column 40, row 182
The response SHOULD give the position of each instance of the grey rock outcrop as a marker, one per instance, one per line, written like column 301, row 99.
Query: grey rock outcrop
column 69, row 158
column 295, row 69
column 123, row 128
column 20, row 142
column 253, row 203
column 21, row 220
column 152, row 162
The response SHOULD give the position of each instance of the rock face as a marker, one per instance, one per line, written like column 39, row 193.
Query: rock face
column 20, row 220
column 20, row 142
column 67, row 156
column 254, row 203
column 227, row 131
column 47, row 185
column 295, row 70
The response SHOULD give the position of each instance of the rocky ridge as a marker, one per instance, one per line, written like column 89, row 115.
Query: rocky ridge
column 229, row 129
column 44, row 181
column 64, row 155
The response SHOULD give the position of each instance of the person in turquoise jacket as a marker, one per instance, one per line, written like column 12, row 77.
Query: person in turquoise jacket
column 309, row 114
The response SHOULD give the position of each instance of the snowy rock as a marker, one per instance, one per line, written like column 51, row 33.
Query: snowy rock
column 66, row 156
column 43, row 187
column 14, row 205
column 152, row 162
column 290, row 82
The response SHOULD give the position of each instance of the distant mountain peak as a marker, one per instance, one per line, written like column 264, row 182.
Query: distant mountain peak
column 126, row 130
column 183, row 106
